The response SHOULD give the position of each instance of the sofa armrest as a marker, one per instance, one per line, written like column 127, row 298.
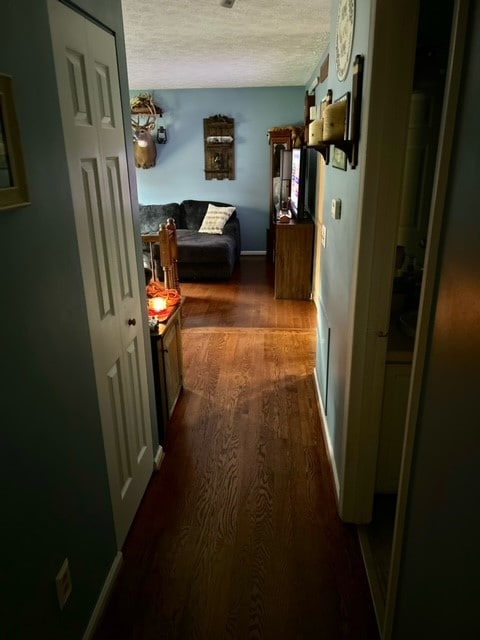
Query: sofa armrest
column 232, row 228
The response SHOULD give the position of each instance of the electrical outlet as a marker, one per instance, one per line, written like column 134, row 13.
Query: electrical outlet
column 63, row 582
column 324, row 236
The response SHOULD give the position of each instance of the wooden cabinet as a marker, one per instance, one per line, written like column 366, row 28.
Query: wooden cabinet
column 293, row 259
column 289, row 244
column 167, row 359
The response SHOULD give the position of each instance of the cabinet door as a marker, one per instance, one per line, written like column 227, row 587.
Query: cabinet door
column 172, row 357
column 293, row 261
column 160, row 387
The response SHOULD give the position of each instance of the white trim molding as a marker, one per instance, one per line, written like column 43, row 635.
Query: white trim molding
column 104, row 596
column 326, row 435
column 158, row 459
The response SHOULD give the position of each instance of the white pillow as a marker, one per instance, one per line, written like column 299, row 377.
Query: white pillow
column 215, row 219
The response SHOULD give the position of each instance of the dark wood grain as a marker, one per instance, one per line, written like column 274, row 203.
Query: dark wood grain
column 238, row 536
column 293, row 259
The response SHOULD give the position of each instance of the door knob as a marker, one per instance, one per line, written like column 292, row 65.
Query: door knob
column 132, row 322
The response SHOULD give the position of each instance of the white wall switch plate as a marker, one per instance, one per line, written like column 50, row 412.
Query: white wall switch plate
column 324, row 236
column 336, row 208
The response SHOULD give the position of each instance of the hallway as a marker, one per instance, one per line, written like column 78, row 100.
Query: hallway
column 238, row 536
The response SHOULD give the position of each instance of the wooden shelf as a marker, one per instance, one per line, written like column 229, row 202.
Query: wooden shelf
column 345, row 145
column 349, row 144
column 323, row 149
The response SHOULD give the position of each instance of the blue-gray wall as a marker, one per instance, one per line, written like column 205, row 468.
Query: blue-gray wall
column 179, row 171
column 55, row 500
column 335, row 300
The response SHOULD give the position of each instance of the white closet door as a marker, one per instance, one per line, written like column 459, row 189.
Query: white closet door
column 89, row 95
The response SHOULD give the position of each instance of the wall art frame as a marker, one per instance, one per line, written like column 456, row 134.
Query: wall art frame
column 13, row 178
column 339, row 159
column 219, row 147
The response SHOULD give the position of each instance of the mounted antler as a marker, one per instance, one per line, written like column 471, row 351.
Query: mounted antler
column 145, row 149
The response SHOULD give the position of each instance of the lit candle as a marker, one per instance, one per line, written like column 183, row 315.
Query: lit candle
column 158, row 304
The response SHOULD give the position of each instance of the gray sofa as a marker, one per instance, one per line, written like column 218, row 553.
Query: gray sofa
column 201, row 256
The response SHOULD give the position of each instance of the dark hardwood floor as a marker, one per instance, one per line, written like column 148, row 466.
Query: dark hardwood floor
column 238, row 536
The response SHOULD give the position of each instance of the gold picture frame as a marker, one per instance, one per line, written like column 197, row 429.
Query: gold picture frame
column 339, row 159
column 13, row 179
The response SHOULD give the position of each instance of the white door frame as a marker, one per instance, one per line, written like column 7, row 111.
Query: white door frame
column 393, row 48
column 385, row 135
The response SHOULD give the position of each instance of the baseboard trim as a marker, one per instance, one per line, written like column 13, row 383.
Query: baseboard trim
column 104, row 596
column 158, row 459
column 253, row 253
column 326, row 436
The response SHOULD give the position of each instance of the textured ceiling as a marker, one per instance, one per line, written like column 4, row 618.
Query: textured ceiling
column 186, row 44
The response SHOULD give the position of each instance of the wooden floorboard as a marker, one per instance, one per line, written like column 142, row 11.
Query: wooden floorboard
column 238, row 535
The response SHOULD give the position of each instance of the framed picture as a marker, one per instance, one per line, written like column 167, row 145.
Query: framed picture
column 13, row 180
column 339, row 159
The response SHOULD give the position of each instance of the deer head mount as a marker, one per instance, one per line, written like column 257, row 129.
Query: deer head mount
column 144, row 144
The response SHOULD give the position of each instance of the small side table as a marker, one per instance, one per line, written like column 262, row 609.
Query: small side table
column 167, row 359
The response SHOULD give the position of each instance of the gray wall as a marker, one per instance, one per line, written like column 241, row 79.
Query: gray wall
column 438, row 588
column 179, row 171
column 55, row 499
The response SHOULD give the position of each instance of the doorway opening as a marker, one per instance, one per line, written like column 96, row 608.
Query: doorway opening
column 426, row 104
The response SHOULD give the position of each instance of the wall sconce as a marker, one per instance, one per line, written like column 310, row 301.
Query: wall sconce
column 161, row 131
column 218, row 146
column 157, row 304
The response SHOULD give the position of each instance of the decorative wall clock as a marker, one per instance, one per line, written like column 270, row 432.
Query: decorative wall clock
column 344, row 36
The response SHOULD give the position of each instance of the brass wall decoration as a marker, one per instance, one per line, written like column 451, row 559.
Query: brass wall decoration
column 219, row 138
